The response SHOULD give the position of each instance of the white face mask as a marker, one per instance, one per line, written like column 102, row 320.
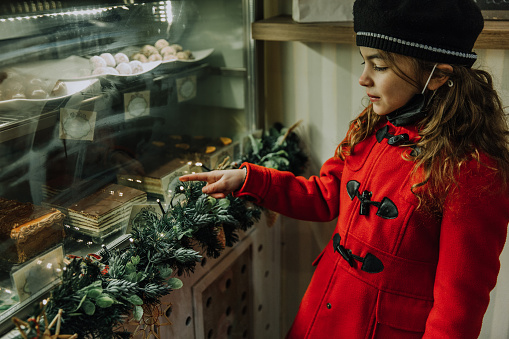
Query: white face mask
column 413, row 110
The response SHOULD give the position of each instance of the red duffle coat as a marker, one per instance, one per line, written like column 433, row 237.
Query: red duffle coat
column 435, row 273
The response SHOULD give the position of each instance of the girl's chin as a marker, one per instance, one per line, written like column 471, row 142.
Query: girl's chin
column 380, row 112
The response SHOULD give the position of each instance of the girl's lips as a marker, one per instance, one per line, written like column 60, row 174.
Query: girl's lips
column 373, row 98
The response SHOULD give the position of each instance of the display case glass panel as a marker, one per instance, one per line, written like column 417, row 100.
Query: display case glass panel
column 102, row 107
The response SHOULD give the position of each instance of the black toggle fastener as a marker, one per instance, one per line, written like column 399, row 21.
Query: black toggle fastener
column 386, row 208
column 393, row 140
column 370, row 263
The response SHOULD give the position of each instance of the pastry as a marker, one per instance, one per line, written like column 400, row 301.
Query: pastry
column 178, row 48
column 148, row 50
column 120, row 58
column 124, row 68
column 37, row 93
column 157, row 182
column 27, row 230
column 105, row 211
column 155, row 57
column 168, row 50
column 170, row 57
column 161, row 43
column 96, row 62
column 139, row 57
column 105, row 70
column 110, row 60
column 185, row 55
column 59, row 90
column 136, row 66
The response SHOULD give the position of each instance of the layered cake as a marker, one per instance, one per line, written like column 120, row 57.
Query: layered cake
column 159, row 182
column 105, row 211
column 211, row 152
column 27, row 230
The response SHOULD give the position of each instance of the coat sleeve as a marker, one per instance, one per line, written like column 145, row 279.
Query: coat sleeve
column 473, row 234
column 313, row 199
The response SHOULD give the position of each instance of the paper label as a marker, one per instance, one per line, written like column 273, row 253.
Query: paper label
column 136, row 104
column 76, row 124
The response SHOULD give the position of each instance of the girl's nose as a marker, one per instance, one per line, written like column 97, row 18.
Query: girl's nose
column 365, row 80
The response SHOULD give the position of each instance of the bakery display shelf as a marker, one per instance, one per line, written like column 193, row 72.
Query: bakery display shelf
column 29, row 117
column 495, row 34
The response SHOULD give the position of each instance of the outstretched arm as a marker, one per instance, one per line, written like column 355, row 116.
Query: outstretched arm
column 219, row 183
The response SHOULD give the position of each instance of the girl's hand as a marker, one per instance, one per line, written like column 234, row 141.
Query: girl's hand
column 219, row 183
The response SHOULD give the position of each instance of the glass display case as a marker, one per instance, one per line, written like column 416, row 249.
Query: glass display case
column 102, row 107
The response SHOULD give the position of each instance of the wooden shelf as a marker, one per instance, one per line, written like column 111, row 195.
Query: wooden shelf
column 282, row 28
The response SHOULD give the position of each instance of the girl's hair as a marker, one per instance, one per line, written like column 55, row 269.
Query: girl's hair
column 462, row 121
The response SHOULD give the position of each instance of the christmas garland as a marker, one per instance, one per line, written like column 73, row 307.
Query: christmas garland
column 99, row 293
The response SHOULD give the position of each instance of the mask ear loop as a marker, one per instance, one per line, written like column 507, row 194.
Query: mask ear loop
column 429, row 79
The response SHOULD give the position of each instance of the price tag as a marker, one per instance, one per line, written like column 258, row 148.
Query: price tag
column 186, row 88
column 76, row 124
column 136, row 104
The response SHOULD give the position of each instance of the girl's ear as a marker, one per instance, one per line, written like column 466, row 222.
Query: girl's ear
column 438, row 81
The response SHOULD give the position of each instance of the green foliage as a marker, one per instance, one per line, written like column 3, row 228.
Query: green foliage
column 277, row 148
column 96, row 296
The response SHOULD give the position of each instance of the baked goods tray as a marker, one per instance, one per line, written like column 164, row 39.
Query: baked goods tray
column 75, row 68
column 26, row 106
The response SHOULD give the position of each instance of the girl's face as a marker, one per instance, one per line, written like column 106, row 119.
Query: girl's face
column 385, row 89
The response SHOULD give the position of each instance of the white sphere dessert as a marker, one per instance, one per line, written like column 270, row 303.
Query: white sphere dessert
column 139, row 57
column 161, row 43
column 136, row 66
column 96, row 62
column 155, row 57
column 120, row 58
column 60, row 89
column 177, row 47
column 105, row 70
column 110, row 60
column 37, row 93
column 170, row 57
column 124, row 69
column 168, row 50
column 148, row 50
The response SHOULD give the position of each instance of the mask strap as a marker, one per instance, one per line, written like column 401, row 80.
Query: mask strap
column 427, row 82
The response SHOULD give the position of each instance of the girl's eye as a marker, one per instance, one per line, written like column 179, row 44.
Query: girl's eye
column 376, row 68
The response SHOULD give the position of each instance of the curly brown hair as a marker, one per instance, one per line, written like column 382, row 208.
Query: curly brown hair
column 462, row 121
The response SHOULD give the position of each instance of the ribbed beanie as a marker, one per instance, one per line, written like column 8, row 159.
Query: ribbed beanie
column 441, row 31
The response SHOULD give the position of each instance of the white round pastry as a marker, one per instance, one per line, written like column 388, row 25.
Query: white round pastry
column 177, row 47
column 59, row 90
column 104, row 70
column 13, row 89
column 183, row 55
column 168, row 50
column 170, row 57
column 33, row 83
column 136, row 66
column 110, row 60
column 124, row 69
column 113, row 71
column 17, row 96
column 96, row 61
column 37, row 93
column 140, row 57
column 155, row 57
column 148, row 50
column 161, row 43
column 120, row 58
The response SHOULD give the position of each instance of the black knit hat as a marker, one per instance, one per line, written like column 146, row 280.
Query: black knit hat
column 434, row 30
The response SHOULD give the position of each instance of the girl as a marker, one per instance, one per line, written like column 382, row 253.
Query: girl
column 419, row 184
